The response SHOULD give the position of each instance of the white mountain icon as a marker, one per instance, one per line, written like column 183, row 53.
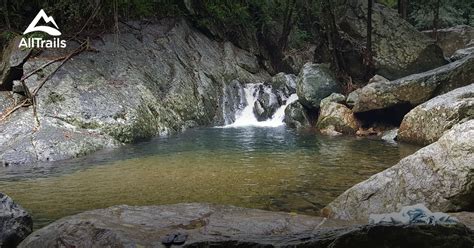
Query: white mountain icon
column 51, row 31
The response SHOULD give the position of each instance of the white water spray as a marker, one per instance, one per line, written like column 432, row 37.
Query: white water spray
column 246, row 116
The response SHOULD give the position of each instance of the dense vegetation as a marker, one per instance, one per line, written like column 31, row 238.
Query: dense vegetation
column 270, row 28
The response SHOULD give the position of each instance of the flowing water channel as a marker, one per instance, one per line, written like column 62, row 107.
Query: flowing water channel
column 266, row 166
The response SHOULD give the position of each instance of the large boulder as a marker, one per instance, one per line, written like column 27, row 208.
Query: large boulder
column 441, row 176
column 296, row 116
column 314, row 83
column 336, row 116
column 206, row 225
column 413, row 89
column 154, row 79
column 15, row 222
column 267, row 102
column 285, row 83
column 399, row 49
column 453, row 38
column 427, row 122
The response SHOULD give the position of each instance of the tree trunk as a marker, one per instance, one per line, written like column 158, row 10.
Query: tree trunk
column 332, row 35
column 402, row 8
column 436, row 20
column 287, row 24
column 369, row 28
column 5, row 13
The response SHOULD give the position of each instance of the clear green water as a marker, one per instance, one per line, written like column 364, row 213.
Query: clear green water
column 266, row 168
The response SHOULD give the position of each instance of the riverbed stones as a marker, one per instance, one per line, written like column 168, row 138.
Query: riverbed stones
column 314, row 83
column 439, row 175
column 334, row 116
column 207, row 225
column 427, row 122
column 155, row 79
column 15, row 222
column 414, row 89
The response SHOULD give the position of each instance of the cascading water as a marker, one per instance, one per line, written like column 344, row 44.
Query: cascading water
column 246, row 116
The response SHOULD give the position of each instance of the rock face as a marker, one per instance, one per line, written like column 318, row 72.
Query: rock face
column 453, row 38
column 414, row 89
column 315, row 82
column 399, row 49
column 440, row 176
column 233, row 99
column 337, row 117
column 296, row 116
column 155, row 79
column 226, row 226
column 15, row 222
column 427, row 122
column 11, row 64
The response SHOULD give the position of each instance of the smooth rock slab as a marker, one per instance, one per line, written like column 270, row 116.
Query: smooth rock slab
column 227, row 226
column 440, row 176
column 414, row 89
column 427, row 122
column 15, row 222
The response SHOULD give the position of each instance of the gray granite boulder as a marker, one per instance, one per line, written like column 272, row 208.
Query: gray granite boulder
column 440, row 176
column 427, row 122
column 15, row 222
column 414, row 89
column 315, row 82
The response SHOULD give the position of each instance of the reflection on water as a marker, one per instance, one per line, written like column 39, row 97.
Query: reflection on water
column 267, row 168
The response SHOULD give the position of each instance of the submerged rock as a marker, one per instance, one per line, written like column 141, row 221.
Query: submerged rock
column 414, row 89
column 160, row 78
column 334, row 116
column 453, row 38
column 390, row 135
column 440, row 176
column 314, row 83
column 206, row 225
column 399, row 49
column 427, row 122
column 296, row 116
column 15, row 223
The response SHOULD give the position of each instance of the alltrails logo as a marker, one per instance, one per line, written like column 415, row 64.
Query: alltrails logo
column 40, row 42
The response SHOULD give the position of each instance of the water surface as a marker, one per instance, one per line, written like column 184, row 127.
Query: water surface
column 266, row 168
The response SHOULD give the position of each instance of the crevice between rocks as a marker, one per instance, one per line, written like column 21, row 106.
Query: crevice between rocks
column 391, row 116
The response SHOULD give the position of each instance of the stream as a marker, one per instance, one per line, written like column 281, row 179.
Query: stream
column 246, row 163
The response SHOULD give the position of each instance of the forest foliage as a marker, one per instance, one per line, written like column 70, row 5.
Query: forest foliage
column 231, row 14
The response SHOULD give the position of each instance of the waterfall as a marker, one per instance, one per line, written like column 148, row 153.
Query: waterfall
column 246, row 117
